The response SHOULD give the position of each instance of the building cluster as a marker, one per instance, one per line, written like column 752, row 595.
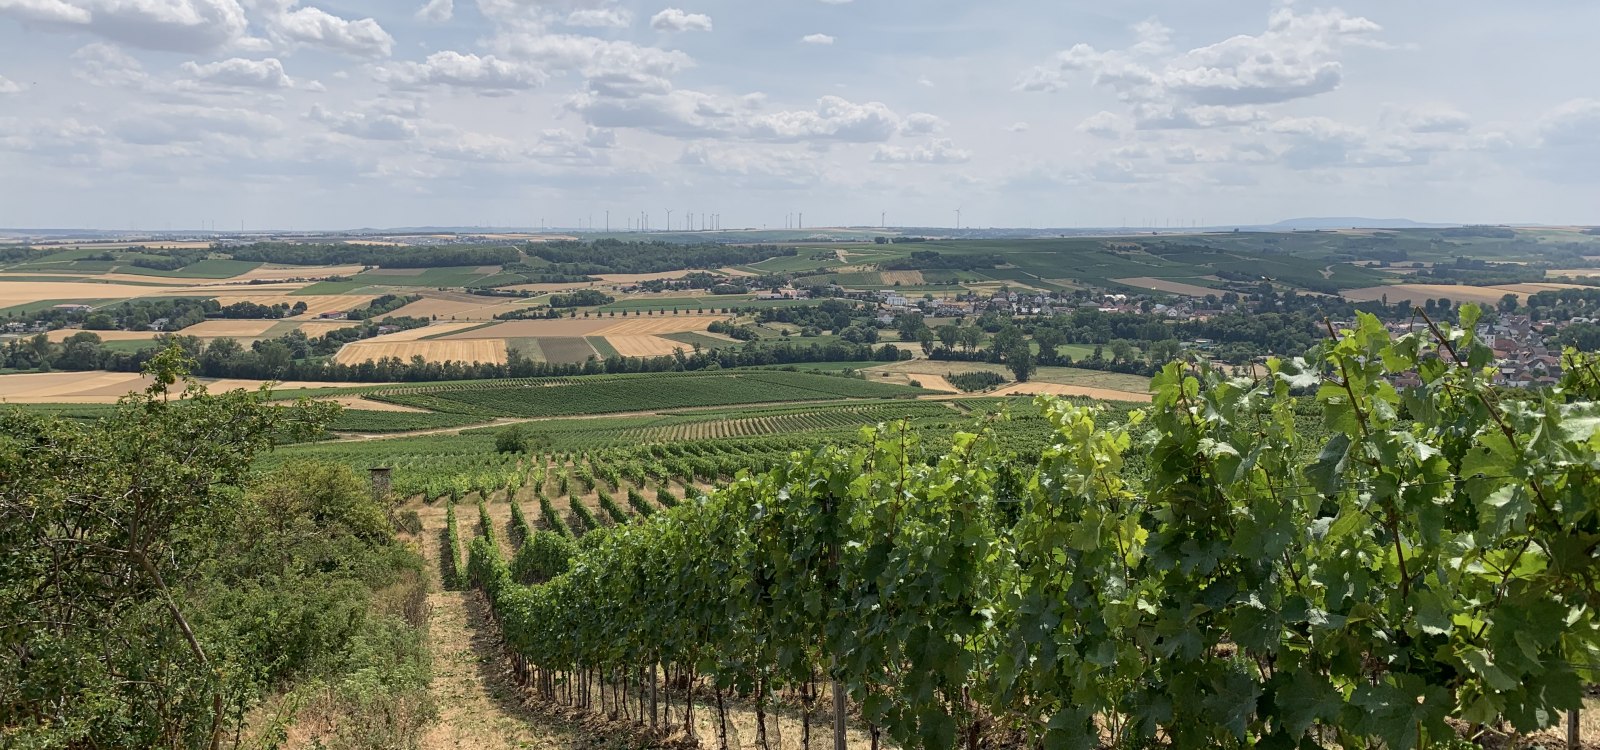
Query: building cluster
column 1524, row 356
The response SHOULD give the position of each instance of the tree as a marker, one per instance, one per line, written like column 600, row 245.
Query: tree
column 515, row 439
column 1049, row 340
column 1019, row 360
column 971, row 337
column 926, row 338
column 118, row 515
column 949, row 334
column 1508, row 303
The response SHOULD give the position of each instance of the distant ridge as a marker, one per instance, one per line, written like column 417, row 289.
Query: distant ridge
column 1351, row 222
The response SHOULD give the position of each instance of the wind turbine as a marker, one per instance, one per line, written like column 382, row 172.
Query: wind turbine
column 669, row 220
column 958, row 220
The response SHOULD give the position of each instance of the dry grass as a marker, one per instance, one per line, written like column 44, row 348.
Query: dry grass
column 656, row 325
column 1417, row 293
column 489, row 351
column 60, row 335
column 107, row 387
column 25, row 292
column 417, row 334
column 1163, row 285
column 1572, row 272
column 230, row 328
column 274, row 273
column 645, row 346
column 530, row 329
column 903, row 278
column 363, row 404
column 446, row 308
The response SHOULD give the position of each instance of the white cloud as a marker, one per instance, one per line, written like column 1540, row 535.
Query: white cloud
column 1296, row 57
column 1436, row 118
column 7, row 86
column 1105, row 125
column 174, row 25
column 265, row 74
column 1019, row 127
column 600, row 18
column 451, row 68
column 104, row 64
column 184, row 124
column 45, row 11
column 437, row 11
column 834, row 119
column 372, row 126
column 315, row 27
column 1576, row 122
column 822, row 39
column 922, row 123
column 676, row 19
column 939, row 151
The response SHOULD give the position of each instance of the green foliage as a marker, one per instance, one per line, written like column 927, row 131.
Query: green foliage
column 980, row 380
column 543, row 556
column 1207, row 573
column 518, row 438
column 450, row 551
column 552, row 519
column 609, row 505
column 639, row 393
column 153, row 594
column 585, row 516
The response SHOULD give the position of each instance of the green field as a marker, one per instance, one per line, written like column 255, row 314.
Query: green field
column 449, row 276
column 211, row 268
column 608, row 394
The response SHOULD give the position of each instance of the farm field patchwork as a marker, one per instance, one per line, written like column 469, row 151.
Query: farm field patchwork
column 492, row 351
column 1172, row 286
column 610, row 394
column 62, row 334
column 107, row 387
column 1456, row 293
column 230, row 328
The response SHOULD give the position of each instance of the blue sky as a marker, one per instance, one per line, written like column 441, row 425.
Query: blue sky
column 150, row 114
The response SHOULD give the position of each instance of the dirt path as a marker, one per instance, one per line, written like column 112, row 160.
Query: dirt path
column 479, row 706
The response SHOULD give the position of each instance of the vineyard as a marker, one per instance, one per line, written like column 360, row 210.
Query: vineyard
column 1240, row 565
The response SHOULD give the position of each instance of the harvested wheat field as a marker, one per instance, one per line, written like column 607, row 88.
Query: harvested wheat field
column 481, row 309
column 418, row 334
column 645, row 346
column 490, row 351
column 364, row 404
column 243, row 329
column 931, row 382
column 651, row 326
column 1055, row 389
column 1418, row 293
column 315, row 328
column 107, row 387
column 1571, row 273
column 276, row 273
column 903, row 278
column 60, row 335
column 1164, row 285
column 634, row 278
column 26, row 292
column 531, row 329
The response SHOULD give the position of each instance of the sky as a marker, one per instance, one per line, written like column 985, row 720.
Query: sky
column 336, row 114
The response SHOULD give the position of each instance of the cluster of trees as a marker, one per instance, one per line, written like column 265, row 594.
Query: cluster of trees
column 158, row 587
column 582, row 298
column 930, row 260
column 255, row 311
column 164, row 259
column 384, row 305
column 133, row 315
column 734, row 330
column 615, row 256
column 297, row 357
column 388, row 256
column 1479, row 272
